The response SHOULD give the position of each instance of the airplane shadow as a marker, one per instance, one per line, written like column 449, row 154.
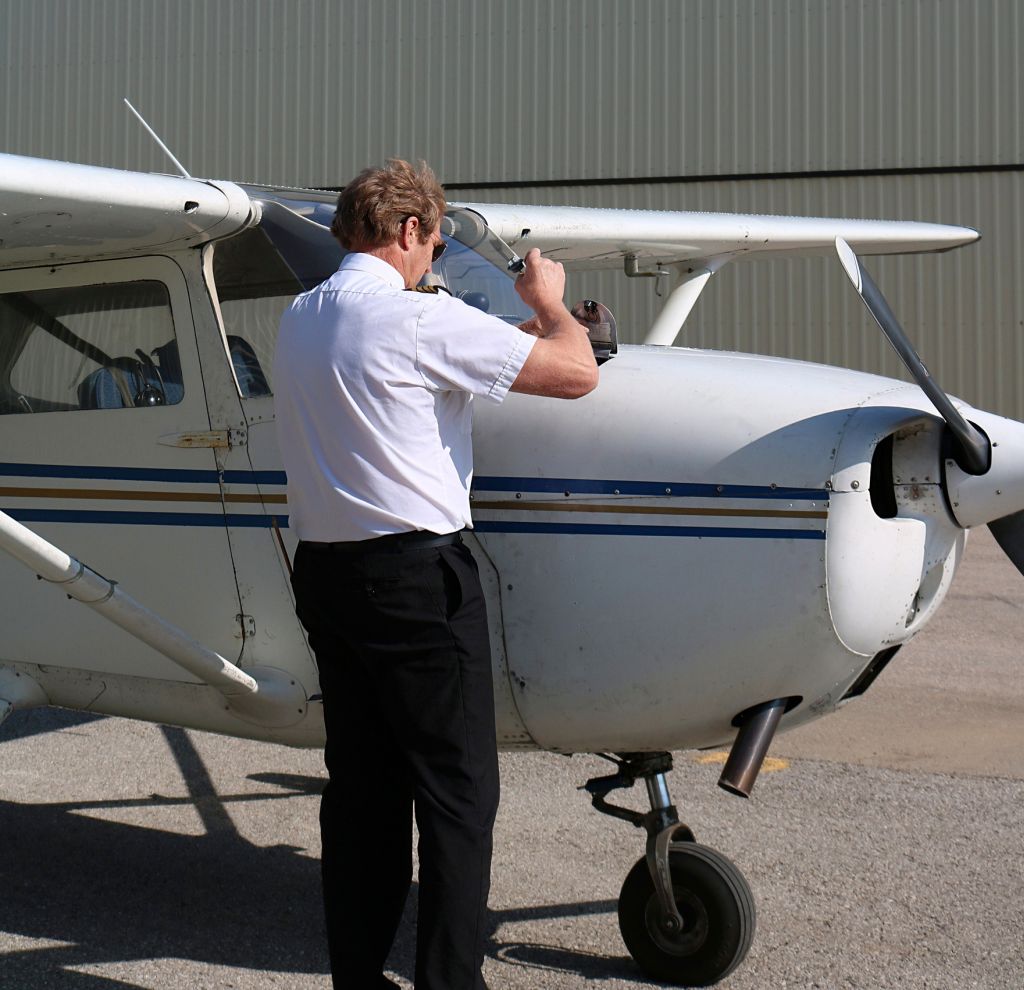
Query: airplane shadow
column 106, row 892
column 38, row 721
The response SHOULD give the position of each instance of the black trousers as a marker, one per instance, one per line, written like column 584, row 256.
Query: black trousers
column 400, row 638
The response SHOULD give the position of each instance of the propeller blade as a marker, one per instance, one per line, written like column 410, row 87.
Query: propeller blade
column 1009, row 534
column 975, row 453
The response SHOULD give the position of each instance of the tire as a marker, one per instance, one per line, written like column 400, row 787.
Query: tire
column 718, row 914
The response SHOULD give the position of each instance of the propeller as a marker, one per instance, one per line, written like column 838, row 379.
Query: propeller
column 1009, row 534
column 974, row 453
column 975, row 499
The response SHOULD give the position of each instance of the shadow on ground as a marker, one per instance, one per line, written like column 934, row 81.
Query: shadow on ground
column 36, row 721
column 116, row 892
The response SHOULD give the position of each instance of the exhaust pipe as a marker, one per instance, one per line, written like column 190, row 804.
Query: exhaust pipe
column 757, row 728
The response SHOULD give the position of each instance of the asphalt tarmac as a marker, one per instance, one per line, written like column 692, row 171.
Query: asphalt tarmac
column 884, row 844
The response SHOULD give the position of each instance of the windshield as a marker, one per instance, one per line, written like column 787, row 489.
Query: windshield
column 474, row 268
column 258, row 272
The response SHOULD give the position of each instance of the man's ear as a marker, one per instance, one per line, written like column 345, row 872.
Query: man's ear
column 410, row 232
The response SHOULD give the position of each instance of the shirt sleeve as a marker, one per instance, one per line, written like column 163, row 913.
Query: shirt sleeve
column 460, row 348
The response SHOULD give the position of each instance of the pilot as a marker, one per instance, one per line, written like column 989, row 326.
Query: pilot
column 374, row 389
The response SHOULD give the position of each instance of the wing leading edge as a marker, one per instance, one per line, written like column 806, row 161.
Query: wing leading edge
column 56, row 212
column 584, row 238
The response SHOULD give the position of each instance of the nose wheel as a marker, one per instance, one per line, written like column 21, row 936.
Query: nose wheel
column 686, row 913
column 717, row 912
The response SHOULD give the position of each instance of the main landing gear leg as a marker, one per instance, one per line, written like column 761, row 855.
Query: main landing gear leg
column 686, row 913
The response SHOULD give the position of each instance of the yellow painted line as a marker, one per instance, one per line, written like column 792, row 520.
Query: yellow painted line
column 770, row 765
column 653, row 510
column 139, row 496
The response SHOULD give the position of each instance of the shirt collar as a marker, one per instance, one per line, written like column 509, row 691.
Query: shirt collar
column 372, row 265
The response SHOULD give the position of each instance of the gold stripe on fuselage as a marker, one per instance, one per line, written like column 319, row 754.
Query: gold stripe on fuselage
column 140, row 496
column 654, row 510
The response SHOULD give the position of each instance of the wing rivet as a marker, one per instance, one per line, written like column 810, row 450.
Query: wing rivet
column 855, row 484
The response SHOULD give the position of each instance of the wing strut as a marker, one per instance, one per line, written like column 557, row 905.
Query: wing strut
column 267, row 696
column 681, row 300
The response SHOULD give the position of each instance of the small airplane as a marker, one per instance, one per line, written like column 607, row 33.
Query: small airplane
column 709, row 548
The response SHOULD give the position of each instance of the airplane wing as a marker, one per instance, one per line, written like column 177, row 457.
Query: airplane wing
column 56, row 212
column 584, row 238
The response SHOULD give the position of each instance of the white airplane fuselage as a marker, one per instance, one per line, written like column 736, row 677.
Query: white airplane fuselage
column 694, row 538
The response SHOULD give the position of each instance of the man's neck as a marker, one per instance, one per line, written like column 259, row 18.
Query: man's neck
column 393, row 255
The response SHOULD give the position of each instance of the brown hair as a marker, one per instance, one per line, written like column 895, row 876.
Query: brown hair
column 374, row 205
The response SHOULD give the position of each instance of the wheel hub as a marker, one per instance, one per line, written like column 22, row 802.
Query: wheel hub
column 690, row 937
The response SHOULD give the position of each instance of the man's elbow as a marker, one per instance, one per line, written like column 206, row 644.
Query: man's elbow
column 563, row 378
column 583, row 383
column 578, row 379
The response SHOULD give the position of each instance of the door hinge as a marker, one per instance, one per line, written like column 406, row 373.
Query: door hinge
column 223, row 439
column 246, row 627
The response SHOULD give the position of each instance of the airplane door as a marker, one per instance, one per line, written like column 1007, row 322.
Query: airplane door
column 100, row 393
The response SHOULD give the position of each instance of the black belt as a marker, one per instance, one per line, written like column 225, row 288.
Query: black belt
column 421, row 539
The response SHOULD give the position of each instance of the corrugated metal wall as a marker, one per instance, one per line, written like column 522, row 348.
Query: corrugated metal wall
column 635, row 97
column 307, row 91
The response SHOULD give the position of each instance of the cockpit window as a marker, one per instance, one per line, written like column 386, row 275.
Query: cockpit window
column 107, row 346
column 257, row 273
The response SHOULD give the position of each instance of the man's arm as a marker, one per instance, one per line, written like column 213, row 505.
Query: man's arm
column 561, row 364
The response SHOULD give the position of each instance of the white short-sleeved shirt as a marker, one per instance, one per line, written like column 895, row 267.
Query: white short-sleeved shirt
column 373, row 391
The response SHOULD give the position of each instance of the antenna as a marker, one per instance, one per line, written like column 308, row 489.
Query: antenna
column 153, row 134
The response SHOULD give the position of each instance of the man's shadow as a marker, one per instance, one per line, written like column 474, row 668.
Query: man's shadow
column 108, row 892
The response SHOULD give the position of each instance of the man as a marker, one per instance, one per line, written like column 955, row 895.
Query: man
column 373, row 401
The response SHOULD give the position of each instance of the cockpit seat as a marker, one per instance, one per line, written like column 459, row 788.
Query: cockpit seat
column 129, row 381
column 157, row 380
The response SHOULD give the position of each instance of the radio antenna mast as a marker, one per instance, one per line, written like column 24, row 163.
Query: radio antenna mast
column 153, row 134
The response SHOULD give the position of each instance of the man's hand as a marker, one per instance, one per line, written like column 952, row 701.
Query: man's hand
column 561, row 363
column 532, row 327
column 542, row 284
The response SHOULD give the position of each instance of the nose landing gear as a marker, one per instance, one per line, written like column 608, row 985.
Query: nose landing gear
column 685, row 912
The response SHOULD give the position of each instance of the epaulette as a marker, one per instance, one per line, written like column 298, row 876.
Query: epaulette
column 432, row 290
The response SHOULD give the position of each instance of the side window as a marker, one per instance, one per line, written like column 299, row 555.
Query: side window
column 88, row 347
column 254, row 287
